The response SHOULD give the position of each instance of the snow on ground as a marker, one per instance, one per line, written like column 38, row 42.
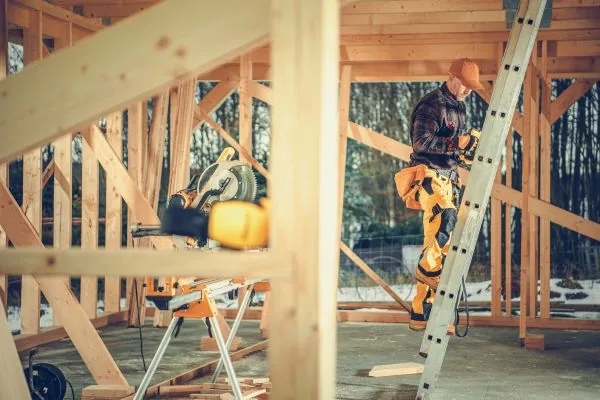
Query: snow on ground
column 477, row 291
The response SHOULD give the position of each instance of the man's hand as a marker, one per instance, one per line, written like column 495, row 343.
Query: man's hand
column 468, row 144
column 470, row 141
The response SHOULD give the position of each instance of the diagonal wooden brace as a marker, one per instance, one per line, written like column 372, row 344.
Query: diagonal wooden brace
column 84, row 336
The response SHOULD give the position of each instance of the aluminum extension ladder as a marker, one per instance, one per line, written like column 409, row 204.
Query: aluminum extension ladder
column 481, row 179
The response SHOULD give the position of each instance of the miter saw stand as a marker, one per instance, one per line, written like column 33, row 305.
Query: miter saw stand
column 197, row 300
column 224, row 180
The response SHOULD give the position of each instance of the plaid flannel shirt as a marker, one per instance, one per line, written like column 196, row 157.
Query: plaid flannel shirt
column 436, row 124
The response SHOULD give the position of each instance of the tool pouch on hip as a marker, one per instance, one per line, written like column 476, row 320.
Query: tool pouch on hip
column 408, row 182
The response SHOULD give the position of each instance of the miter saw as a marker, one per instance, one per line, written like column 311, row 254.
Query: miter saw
column 188, row 211
column 217, row 205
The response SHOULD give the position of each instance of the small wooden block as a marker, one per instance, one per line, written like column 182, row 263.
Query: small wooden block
column 248, row 380
column 247, row 395
column 210, row 344
column 396, row 369
column 534, row 341
column 106, row 392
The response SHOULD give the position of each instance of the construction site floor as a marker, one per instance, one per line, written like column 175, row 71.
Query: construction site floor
column 488, row 364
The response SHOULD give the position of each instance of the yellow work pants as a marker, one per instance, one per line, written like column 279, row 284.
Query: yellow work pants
column 438, row 197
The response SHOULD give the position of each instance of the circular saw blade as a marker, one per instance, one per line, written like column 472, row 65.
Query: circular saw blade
column 247, row 186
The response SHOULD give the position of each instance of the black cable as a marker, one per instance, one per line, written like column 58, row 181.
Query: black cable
column 137, row 302
column 464, row 297
column 71, row 386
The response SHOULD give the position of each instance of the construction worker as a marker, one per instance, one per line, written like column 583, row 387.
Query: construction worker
column 430, row 182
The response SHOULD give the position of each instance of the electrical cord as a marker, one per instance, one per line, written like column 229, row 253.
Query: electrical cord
column 139, row 322
column 137, row 302
column 457, row 319
column 71, row 386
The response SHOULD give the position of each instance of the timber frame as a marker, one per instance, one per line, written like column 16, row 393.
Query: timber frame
column 70, row 82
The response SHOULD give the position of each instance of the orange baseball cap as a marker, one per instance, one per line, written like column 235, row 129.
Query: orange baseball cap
column 468, row 73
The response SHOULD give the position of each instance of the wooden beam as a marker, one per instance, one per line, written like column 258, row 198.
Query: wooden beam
column 343, row 114
column 62, row 159
column 137, row 135
column 545, row 180
column 56, row 333
column 182, row 113
column 61, row 14
column 409, row 52
column 465, row 27
column 410, row 71
column 564, row 218
column 567, row 98
column 12, row 379
column 467, row 37
column 89, row 226
column 158, row 132
column 109, row 10
column 141, row 262
column 508, row 228
column 32, row 184
column 574, row 3
column 113, row 221
column 528, row 87
column 533, row 121
column 62, row 300
column 158, row 39
column 408, row 6
column 305, row 35
column 245, row 122
column 102, row 2
column 181, row 133
column 126, row 187
column 213, row 100
column 3, row 167
column 233, row 143
column 406, row 18
column 245, row 119
column 373, row 275
column 260, row 91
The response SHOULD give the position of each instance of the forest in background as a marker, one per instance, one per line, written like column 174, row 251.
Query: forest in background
column 373, row 213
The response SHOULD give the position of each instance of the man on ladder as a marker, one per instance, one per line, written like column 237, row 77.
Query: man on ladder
column 440, row 141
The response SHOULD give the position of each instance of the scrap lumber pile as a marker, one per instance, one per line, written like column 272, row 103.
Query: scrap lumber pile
column 252, row 388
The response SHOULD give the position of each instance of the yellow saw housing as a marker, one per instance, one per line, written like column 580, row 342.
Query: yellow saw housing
column 240, row 224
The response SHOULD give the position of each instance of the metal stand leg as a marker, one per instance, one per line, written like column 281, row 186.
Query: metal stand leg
column 234, row 328
column 141, row 392
column 225, row 357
